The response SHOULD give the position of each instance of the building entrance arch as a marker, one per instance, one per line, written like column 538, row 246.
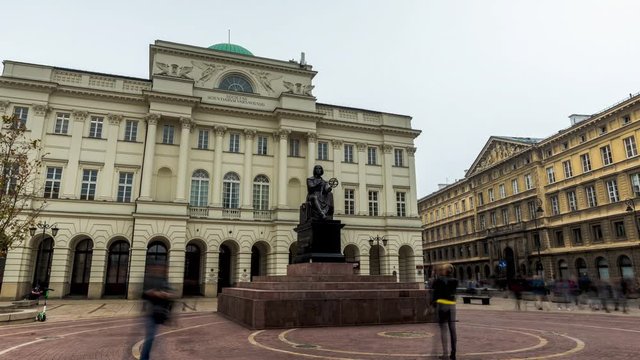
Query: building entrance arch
column 81, row 268
column 117, row 269
column 42, row 271
column 192, row 270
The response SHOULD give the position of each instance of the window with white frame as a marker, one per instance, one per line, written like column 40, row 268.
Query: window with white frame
column 493, row 217
column 131, row 130
column 480, row 199
column 491, row 197
column 125, row 186
column 231, row 191
column 199, row 196
column 568, row 171
column 348, row 153
column 62, row 123
column 21, row 113
column 10, row 175
column 203, row 139
column 503, row 192
column 532, row 210
column 514, row 186
column 401, row 204
column 517, row 212
column 89, row 181
column 262, row 145
column 612, row 190
column 551, row 176
column 373, row 203
column 528, row 182
column 168, row 132
column 572, row 200
column 586, row 162
column 463, row 204
column 261, row 193
column 95, row 127
column 590, row 192
column 505, row 216
column 234, row 142
column 555, row 205
column 372, row 155
column 52, row 183
column 350, row 202
column 607, row 159
column 398, row 156
column 323, row 150
column 294, row 147
column 630, row 146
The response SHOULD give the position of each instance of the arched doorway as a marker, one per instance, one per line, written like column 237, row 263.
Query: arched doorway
column 487, row 271
column 226, row 265
column 259, row 253
column 603, row 268
column 192, row 270
column 563, row 270
column 156, row 255
column 511, row 266
column 42, row 271
column 625, row 267
column 117, row 269
column 376, row 265
column 406, row 264
column 81, row 268
column 581, row 267
column 352, row 255
column 293, row 251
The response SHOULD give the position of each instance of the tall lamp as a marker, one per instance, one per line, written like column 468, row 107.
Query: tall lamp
column 44, row 226
column 376, row 240
column 536, row 238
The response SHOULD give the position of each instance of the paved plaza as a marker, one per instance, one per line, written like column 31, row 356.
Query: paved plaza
column 114, row 330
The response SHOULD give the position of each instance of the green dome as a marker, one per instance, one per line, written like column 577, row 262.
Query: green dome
column 232, row 48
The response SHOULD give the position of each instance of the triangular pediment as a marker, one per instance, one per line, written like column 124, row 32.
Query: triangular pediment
column 498, row 149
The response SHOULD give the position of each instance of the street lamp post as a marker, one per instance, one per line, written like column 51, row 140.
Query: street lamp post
column 536, row 238
column 376, row 240
column 44, row 226
column 631, row 207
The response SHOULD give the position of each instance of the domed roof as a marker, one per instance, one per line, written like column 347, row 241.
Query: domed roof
column 232, row 48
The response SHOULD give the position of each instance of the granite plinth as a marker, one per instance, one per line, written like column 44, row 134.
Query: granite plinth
column 319, row 241
column 326, row 294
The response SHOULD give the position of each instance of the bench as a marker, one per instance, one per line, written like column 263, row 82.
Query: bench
column 467, row 299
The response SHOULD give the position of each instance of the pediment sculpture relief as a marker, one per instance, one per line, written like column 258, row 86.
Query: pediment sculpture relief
column 208, row 71
column 298, row 88
column 265, row 79
column 174, row 70
column 497, row 153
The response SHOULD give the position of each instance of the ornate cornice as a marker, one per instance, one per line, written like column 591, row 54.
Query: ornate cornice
column 171, row 98
column 306, row 115
column 29, row 84
column 94, row 93
column 370, row 129
column 234, row 111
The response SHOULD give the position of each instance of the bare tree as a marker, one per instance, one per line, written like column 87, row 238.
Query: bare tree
column 20, row 164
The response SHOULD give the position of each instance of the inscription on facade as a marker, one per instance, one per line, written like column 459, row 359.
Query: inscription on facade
column 236, row 99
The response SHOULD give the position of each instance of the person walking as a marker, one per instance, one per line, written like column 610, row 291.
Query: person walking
column 159, row 297
column 444, row 299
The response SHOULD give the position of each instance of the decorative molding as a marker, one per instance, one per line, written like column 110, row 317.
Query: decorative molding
column 337, row 144
column 387, row 149
column 361, row 146
column 186, row 122
column 40, row 109
column 312, row 137
column 114, row 119
column 79, row 115
column 297, row 88
column 249, row 134
column 174, row 70
column 208, row 70
column 411, row 150
column 284, row 134
column 265, row 79
column 220, row 130
column 152, row 118
column 497, row 153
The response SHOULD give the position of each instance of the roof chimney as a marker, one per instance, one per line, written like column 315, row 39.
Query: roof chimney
column 576, row 118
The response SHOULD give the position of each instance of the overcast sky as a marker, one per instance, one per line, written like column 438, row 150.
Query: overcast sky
column 464, row 70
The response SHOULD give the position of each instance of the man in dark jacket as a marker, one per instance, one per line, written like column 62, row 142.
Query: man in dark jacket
column 159, row 298
column 444, row 299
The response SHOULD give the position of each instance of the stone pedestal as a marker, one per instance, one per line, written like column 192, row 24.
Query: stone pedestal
column 319, row 241
column 323, row 294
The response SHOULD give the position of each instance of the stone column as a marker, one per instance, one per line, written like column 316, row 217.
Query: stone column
column 60, row 271
column 176, row 266
column 108, row 173
column 247, row 177
column 149, row 155
column 338, row 192
column 217, row 166
column 312, row 145
column 412, row 199
column 282, row 168
column 183, row 160
column 244, row 266
column 212, row 271
column 137, row 263
column 71, row 172
column 97, row 275
column 389, row 195
column 363, row 206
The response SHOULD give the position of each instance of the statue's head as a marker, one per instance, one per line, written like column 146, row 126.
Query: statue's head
column 318, row 170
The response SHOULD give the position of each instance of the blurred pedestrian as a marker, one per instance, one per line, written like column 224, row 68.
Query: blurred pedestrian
column 539, row 291
column 444, row 299
column 624, row 294
column 159, row 297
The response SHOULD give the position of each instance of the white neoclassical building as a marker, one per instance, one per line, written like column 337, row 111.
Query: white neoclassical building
column 202, row 166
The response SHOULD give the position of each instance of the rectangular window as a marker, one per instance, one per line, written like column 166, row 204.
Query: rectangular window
column 505, row 216
column 572, row 201
column 349, row 201
column 518, row 213
column 95, row 128
column 635, row 184
column 398, row 156
column 620, row 230
column 626, row 120
column 323, row 150
column 605, row 151
column 503, row 192
column 89, row 181
column 10, row 175
column 490, row 193
column 577, row 236
column 131, row 130
column 463, row 204
column 630, row 146
column 482, row 222
column 372, row 156
column 514, row 186
column 62, row 123
column 602, row 130
column 494, row 220
column 612, row 190
column 532, row 210
column 568, row 172
column 125, row 187
column 480, row 199
column 555, row 206
column 234, row 142
column 586, row 162
column 203, row 139
column 559, row 239
column 168, row 132
column 21, row 113
column 551, row 176
column 456, row 209
column 401, row 204
column 294, row 147
column 528, row 182
column 262, row 145
column 348, row 153
column 373, row 203
column 52, row 184
column 596, row 231
column 592, row 200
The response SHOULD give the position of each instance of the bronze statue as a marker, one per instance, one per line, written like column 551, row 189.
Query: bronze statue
column 319, row 196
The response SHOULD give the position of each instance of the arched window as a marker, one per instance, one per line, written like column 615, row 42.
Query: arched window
column 563, row 269
column 231, row 191
column 625, row 267
column 603, row 268
column 156, row 254
column 199, row 188
column 237, row 83
column 581, row 267
column 261, row 193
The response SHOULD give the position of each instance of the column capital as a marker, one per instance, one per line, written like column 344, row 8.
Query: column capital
column 152, row 119
column 4, row 105
column 411, row 150
column 283, row 133
column 312, row 137
column 387, row 148
column 249, row 133
column 361, row 146
column 186, row 123
column 114, row 119
column 40, row 109
column 220, row 130
column 337, row 144
column 80, row 115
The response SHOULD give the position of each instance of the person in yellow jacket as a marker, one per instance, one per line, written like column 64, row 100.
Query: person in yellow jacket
column 444, row 300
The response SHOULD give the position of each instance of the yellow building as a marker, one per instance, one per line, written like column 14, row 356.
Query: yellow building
column 560, row 206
